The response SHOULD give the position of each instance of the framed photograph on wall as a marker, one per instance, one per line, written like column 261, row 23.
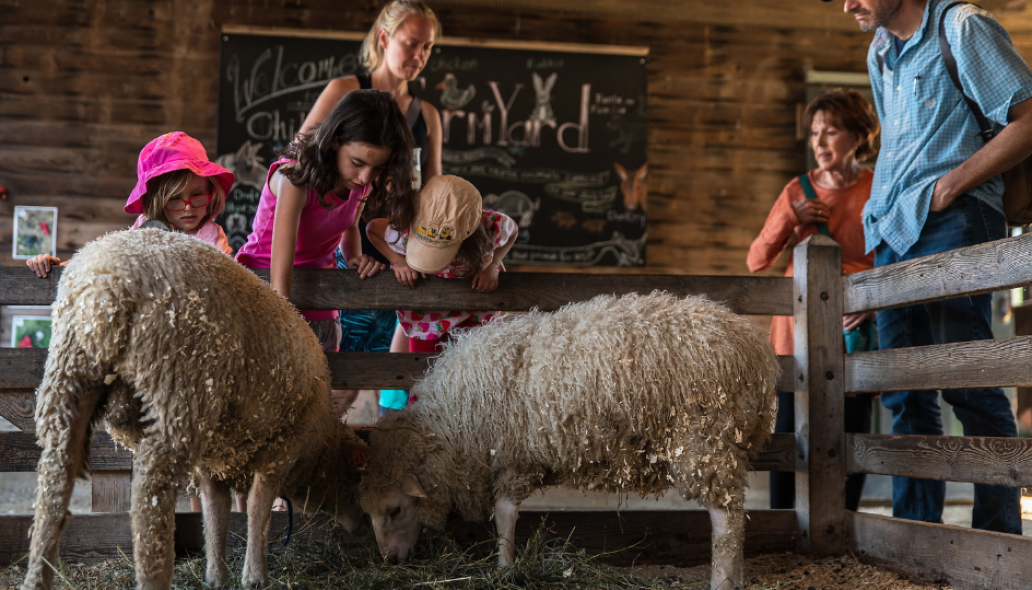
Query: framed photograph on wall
column 35, row 231
column 30, row 331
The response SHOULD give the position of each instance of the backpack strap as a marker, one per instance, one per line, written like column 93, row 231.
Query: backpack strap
column 804, row 179
column 950, row 62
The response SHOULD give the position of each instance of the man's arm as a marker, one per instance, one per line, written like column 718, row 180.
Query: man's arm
column 1012, row 145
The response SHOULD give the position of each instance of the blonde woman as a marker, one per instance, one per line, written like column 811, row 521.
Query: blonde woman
column 394, row 53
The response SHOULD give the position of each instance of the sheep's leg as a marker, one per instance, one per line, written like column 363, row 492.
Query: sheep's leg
column 506, row 512
column 215, row 501
column 728, row 523
column 264, row 490
column 157, row 468
column 63, row 457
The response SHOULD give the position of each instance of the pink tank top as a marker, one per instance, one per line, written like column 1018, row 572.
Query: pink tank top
column 319, row 233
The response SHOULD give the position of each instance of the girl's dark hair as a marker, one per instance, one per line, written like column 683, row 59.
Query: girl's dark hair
column 851, row 112
column 366, row 116
column 471, row 252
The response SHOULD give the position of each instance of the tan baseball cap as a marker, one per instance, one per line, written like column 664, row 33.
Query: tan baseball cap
column 448, row 210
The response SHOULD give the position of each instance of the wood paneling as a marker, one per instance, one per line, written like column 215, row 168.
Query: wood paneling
column 974, row 459
column 969, row 559
column 83, row 85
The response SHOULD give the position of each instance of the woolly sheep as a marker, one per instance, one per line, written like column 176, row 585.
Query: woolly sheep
column 636, row 393
column 203, row 371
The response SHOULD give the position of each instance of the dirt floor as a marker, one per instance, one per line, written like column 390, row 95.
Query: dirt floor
column 788, row 571
column 770, row 572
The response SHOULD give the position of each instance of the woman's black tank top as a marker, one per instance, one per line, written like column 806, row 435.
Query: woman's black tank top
column 414, row 116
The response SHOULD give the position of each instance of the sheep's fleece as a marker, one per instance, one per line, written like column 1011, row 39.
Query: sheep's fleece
column 636, row 393
column 201, row 369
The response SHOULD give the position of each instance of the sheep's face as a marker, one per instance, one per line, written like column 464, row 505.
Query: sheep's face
column 395, row 517
column 349, row 514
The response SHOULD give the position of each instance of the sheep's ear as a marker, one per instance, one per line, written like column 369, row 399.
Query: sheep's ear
column 410, row 486
column 357, row 453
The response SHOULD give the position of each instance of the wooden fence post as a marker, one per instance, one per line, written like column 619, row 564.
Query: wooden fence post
column 819, row 397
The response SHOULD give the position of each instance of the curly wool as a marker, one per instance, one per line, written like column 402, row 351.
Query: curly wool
column 201, row 369
column 632, row 393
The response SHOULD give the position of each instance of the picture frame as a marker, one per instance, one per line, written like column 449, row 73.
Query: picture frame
column 35, row 232
column 31, row 331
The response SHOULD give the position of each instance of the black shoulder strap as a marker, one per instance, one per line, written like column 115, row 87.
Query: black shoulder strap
column 365, row 81
column 804, row 179
column 414, row 111
column 950, row 62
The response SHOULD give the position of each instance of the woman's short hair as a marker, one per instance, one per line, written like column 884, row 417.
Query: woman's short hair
column 851, row 112
column 390, row 18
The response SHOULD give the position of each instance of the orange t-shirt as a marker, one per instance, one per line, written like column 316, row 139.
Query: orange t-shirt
column 846, row 227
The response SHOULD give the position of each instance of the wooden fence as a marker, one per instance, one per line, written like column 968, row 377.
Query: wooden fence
column 819, row 452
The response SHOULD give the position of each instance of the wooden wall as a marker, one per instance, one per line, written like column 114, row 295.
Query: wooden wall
column 85, row 84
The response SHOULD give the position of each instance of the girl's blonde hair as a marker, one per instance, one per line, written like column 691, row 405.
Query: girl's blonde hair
column 390, row 18
column 164, row 188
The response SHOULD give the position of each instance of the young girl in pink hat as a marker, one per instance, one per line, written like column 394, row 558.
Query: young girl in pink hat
column 177, row 186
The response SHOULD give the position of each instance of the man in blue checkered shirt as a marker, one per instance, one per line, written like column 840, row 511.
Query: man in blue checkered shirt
column 936, row 188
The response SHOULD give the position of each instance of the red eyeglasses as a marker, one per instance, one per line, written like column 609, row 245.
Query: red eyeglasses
column 196, row 201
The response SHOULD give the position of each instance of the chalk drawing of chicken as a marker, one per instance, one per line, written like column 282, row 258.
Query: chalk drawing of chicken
column 453, row 97
column 543, row 99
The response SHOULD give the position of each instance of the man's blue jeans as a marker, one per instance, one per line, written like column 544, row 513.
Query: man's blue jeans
column 982, row 412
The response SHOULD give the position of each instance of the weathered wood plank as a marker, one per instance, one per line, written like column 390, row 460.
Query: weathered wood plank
column 1002, row 362
column 968, row 559
column 96, row 537
column 342, row 289
column 18, row 407
column 626, row 537
column 22, row 369
column 820, row 397
column 984, row 268
column 972, row 459
column 111, row 491
column 620, row 538
column 19, row 453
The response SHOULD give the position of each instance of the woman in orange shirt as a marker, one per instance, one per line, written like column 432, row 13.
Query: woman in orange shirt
column 842, row 128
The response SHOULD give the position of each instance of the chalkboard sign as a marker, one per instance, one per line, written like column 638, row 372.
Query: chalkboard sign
column 554, row 136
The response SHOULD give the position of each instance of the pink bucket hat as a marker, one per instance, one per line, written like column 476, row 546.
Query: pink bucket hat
column 171, row 152
column 448, row 210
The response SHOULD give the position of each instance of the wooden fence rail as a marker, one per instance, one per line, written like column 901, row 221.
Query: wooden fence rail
column 820, row 374
column 667, row 536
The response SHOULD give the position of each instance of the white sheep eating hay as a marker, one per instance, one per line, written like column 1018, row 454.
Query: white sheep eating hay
column 201, row 369
column 637, row 393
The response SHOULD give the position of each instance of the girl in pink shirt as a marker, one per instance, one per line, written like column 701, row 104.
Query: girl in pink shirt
column 313, row 198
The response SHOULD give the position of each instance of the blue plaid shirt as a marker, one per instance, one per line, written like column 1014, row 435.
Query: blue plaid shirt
column 927, row 128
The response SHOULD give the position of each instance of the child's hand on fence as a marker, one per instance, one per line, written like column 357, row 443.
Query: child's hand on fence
column 366, row 265
column 406, row 276
column 486, row 280
column 853, row 321
column 41, row 263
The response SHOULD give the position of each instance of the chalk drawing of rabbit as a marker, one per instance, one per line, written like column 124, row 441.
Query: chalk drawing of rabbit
column 248, row 166
column 633, row 186
column 543, row 99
